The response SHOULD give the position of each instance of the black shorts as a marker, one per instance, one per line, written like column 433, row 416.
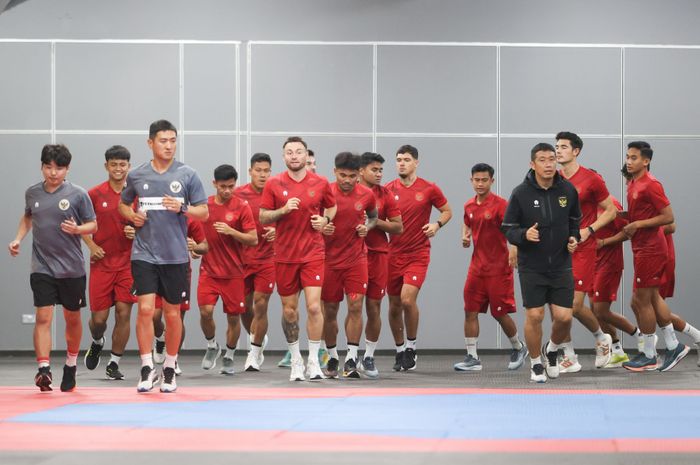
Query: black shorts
column 48, row 291
column 555, row 288
column 171, row 282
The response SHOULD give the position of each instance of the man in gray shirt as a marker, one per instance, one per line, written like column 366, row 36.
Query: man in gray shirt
column 168, row 192
column 58, row 212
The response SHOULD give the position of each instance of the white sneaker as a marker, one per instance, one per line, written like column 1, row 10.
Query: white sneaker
column 550, row 363
column 227, row 366
column 149, row 377
column 297, row 373
column 313, row 369
column 697, row 344
column 168, row 384
column 569, row 365
column 261, row 359
column 158, row 352
column 537, row 374
column 251, row 363
column 210, row 357
column 603, row 351
column 178, row 371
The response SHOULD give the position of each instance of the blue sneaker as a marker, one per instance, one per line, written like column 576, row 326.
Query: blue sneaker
column 286, row 361
column 517, row 357
column 640, row 363
column 672, row 357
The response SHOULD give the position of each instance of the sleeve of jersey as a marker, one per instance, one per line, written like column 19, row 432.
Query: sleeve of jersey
column 371, row 202
column 247, row 221
column 87, row 210
column 658, row 196
column 27, row 207
column 467, row 220
column 128, row 193
column 392, row 208
column 438, row 198
column 195, row 230
column 600, row 189
column 267, row 200
column 197, row 196
column 328, row 197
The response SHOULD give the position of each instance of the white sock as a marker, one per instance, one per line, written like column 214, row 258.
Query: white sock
column 100, row 341
column 170, row 361
column 552, row 347
column 114, row 358
column 669, row 337
column 352, row 352
column 411, row 344
column 294, row 350
column 43, row 363
column 323, row 345
column 147, row 360
column 71, row 359
column 471, row 346
column 516, row 342
column 314, row 347
column 617, row 348
column 692, row 331
column 229, row 352
column 649, row 347
column 599, row 335
column 535, row 361
column 568, row 349
column 211, row 343
column 370, row 347
column 333, row 352
column 400, row 348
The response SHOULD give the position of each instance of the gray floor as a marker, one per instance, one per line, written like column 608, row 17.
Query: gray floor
column 434, row 370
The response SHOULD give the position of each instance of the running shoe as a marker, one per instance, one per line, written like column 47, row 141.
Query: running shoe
column 323, row 357
column 470, row 363
column 313, row 369
column 68, row 381
column 92, row 356
column 569, row 364
column 399, row 361
column 641, row 363
column 603, row 351
column 408, row 362
column 350, row 369
column 112, row 371
column 251, row 362
column 672, row 357
column 159, row 352
column 616, row 360
column 210, row 357
column 43, row 379
column 286, row 361
column 537, row 374
column 553, row 368
column 168, row 384
column 227, row 366
column 369, row 368
column 297, row 373
column 149, row 377
column 178, row 371
column 331, row 370
column 517, row 357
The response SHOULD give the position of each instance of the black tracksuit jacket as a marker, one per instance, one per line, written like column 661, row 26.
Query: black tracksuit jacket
column 556, row 211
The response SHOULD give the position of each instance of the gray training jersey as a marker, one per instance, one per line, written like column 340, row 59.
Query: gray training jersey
column 162, row 240
column 55, row 252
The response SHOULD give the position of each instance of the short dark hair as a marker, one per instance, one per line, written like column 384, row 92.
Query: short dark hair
column 347, row 161
column 575, row 140
column 370, row 157
column 408, row 149
column 639, row 145
column 294, row 139
column 541, row 147
column 160, row 125
column 225, row 172
column 57, row 153
column 311, row 153
column 260, row 157
column 117, row 152
column 481, row 167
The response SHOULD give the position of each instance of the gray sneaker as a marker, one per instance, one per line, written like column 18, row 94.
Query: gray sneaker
column 470, row 363
column 210, row 357
column 517, row 357
column 227, row 366
column 369, row 368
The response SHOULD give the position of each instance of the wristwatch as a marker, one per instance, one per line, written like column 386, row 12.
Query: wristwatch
column 591, row 230
column 439, row 223
column 183, row 208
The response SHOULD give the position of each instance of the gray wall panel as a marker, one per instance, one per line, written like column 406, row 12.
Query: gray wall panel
column 25, row 86
column 436, row 89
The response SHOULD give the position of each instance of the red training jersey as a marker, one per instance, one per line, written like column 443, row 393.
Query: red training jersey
column 224, row 259
column 591, row 190
column 671, row 247
column 646, row 199
column 264, row 251
column 296, row 241
column 416, row 203
column 344, row 247
column 610, row 257
column 110, row 234
column 490, row 256
column 377, row 240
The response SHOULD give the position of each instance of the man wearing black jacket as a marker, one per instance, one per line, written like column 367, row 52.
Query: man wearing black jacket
column 542, row 220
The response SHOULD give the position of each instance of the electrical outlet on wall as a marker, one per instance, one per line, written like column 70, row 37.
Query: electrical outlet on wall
column 28, row 319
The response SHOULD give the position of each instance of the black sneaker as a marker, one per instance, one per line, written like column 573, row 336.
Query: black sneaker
column 409, row 360
column 399, row 361
column 350, row 369
column 43, row 379
column 168, row 384
column 68, row 381
column 537, row 374
column 331, row 370
column 552, row 362
column 92, row 356
column 113, row 371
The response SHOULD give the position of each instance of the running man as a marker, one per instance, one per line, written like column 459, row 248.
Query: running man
column 409, row 253
column 489, row 282
column 301, row 203
column 110, row 265
column 57, row 212
column 168, row 192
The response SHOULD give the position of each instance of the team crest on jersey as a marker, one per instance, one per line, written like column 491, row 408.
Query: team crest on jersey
column 312, row 193
column 487, row 215
column 104, row 204
column 562, row 202
column 471, row 215
column 358, row 206
column 285, row 193
column 229, row 216
column 175, row 186
column 64, row 204
column 419, row 196
column 145, row 187
column 36, row 204
column 634, row 195
column 537, row 204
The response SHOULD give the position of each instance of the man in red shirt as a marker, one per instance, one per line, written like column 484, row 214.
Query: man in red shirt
column 409, row 253
column 258, row 260
column 110, row 265
column 301, row 203
column 593, row 195
column 649, row 211
column 388, row 221
column 229, row 226
column 489, row 282
column 346, row 261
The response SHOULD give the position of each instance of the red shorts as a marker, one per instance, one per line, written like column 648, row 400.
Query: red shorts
column 666, row 290
column 605, row 286
column 377, row 274
column 406, row 270
column 351, row 281
column 649, row 271
column 293, row 277
column 260, row 277
column 583, row 263
column 230, row 290
column 496, row 292
column 109, row 287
